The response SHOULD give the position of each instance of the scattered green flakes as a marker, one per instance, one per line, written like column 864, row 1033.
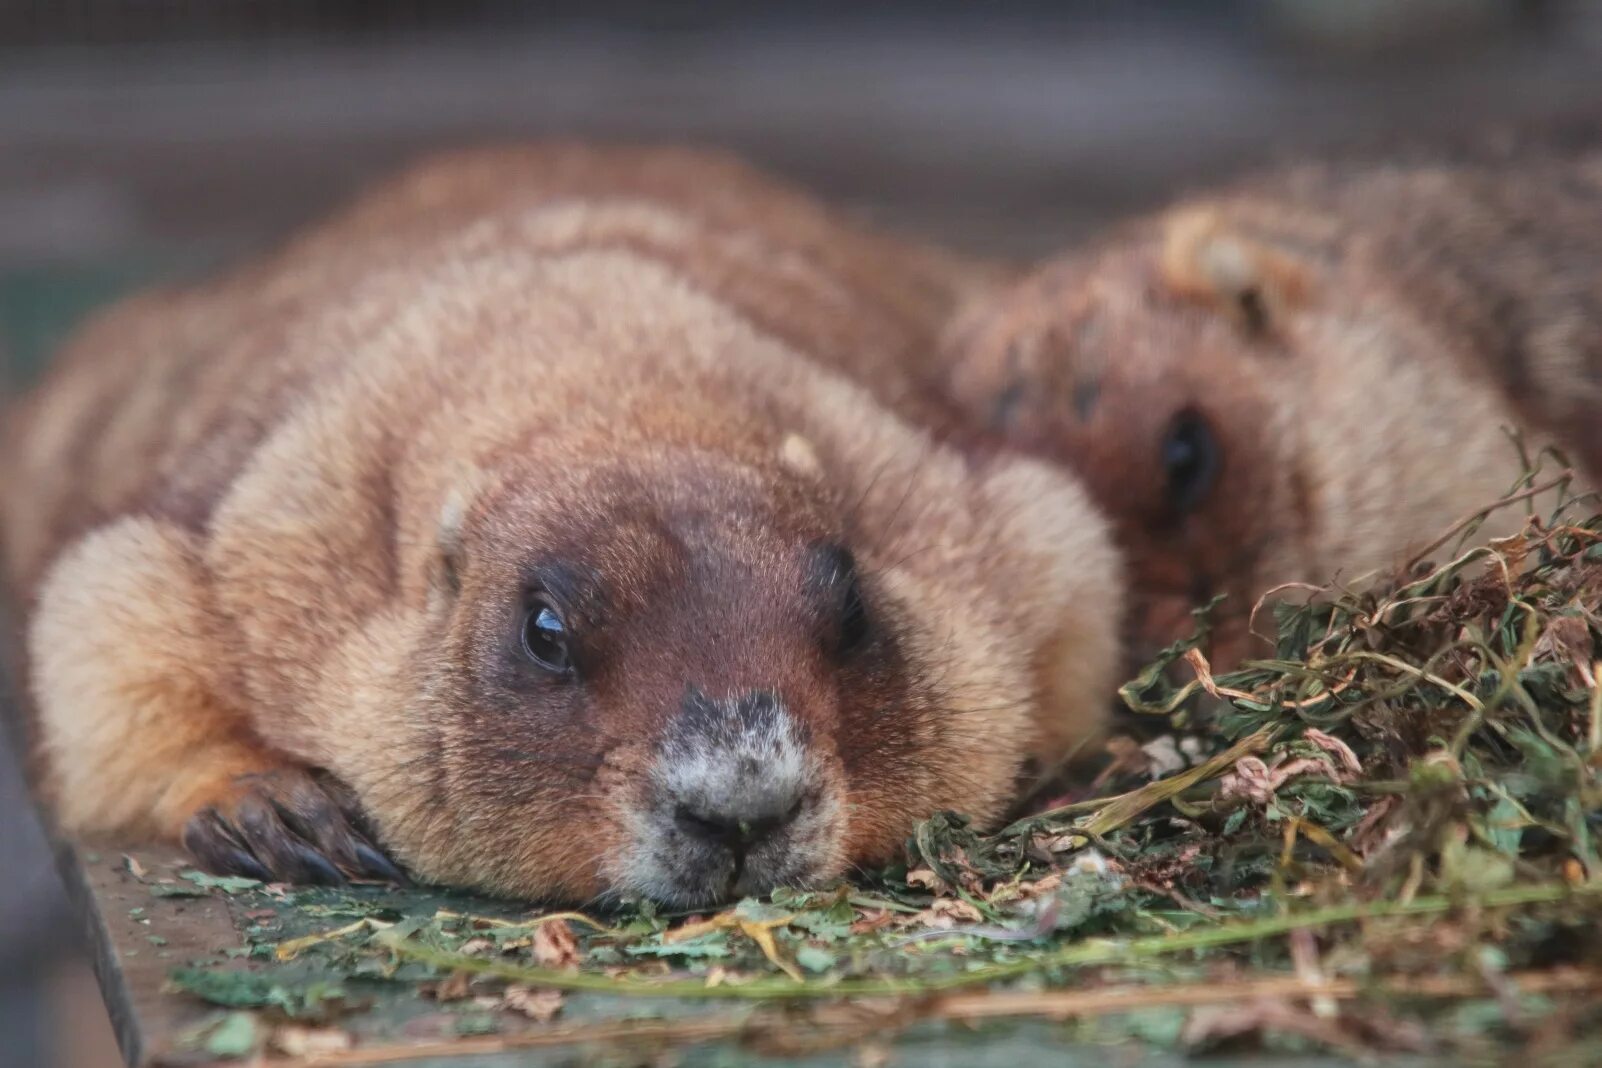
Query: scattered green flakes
column 346, row 908
column 1477, row 1016
column 1158, row 1026
column 821, row 926
column 815, row 958
column 175, row 890
column 137, row 911
column 1470, row 868
column 156, row 940
column 411, row 926
column 713, row 945
column 1087, row 896
column 228, row 884
column 786, row 897
column 831, row 922
column 640, row 927
column 753, row 911
column 237, row 989
column 881, row 901
column 236, row 1036
column 476, row 1023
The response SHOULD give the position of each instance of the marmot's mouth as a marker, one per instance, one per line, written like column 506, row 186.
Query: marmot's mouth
column 737, row 804
column 688, row 868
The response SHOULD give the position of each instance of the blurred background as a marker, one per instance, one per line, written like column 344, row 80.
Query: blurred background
column 152, row 138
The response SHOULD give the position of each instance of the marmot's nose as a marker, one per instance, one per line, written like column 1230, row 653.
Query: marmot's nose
column 738, row 833
column 735, row 772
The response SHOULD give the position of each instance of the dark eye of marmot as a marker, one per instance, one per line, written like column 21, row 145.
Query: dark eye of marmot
column 855, row 626
column 836, row 572
column 1190, row 458
column 545, row 638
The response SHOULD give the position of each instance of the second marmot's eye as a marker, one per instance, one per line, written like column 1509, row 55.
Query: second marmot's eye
column 1190, row 459
column 855, row 626
column 545, row 638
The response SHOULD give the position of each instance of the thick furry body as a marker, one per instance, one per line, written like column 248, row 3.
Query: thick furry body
column 523, row 512
column 1309, row 374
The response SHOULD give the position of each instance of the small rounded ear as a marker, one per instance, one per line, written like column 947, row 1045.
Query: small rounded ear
column 448, row 542
column 798, row 455
column 1210, row 258
column 449, row 532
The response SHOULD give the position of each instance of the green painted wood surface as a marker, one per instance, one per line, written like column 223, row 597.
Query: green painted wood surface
column 148, row 920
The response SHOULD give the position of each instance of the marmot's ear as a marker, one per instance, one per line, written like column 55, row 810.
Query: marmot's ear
column 449, row 539
column 798, row 455
column 1211, row 258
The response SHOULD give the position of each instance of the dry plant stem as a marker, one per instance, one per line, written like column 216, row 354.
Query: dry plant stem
column 1061, row 1004
column 1434, row 680
column 1594, row 728
column 1457, row 528
column 1267, row 595
column 1204, row 675
column 1123, row 809
column 1066, row 1003
column 531, row 923
column 1112, row 813
column 1080, row 954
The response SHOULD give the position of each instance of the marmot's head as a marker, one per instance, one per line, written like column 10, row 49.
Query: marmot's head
column 738, row 628
column 679, row 675
column 1248, row 400
column 662, row 674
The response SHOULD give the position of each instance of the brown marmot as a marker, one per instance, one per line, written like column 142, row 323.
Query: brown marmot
column 1307, row 374
column 522, row 524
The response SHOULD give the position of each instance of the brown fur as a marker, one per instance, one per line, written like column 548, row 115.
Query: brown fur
column 289, row 522
column 1356, row 336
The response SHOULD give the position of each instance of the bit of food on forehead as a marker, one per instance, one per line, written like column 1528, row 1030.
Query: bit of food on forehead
column 1307, row 375
column 559, row 522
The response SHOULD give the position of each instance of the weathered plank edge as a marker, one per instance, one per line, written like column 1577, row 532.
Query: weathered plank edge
column 115, row 990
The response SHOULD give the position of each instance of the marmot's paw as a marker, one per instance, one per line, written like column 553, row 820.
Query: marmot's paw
column 286, row 825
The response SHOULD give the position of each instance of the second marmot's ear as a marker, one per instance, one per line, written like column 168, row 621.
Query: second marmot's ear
column 1211, row 258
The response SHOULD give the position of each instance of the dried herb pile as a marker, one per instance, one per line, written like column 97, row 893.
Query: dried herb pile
column 1383, row 840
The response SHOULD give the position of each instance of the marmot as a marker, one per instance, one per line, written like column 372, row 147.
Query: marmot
column 1308, row 374
column 522, row 524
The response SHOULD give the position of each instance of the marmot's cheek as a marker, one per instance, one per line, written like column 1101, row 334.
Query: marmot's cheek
column 737, row 802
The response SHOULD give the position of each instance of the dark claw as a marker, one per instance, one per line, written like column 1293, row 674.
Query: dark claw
column 314, row 867
column 325, row 813
column 375, row 864
column 209, row 841
column 248, row 866
column 288, row 826
column 277, row 844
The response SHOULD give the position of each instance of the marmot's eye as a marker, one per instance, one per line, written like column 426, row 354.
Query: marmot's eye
column 1190, row 460
column 545, row 638
column 848, row 626
column 855, row 626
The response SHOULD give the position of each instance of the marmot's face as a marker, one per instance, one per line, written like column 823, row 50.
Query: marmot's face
column 668, row 676
column 1154, row 403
